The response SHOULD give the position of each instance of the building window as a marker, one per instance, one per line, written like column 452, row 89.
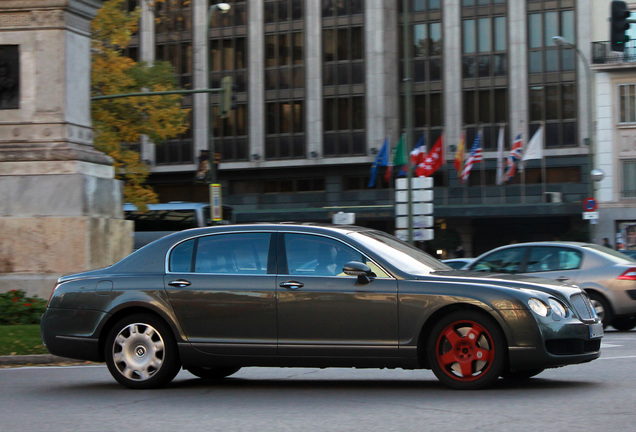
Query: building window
column 554, row 105
column 284, row 61
column 627, row 98
column 343, row 54
column 334, row 8
column 629, row 178
column 427, row 52
column 544, row 54
column 485, row 47
column 485, row 109
column 344, row 124
column 283, row 11
column 284, row 46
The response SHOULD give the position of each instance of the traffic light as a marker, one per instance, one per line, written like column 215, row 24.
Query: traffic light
column 619, row 24
column 227, row 96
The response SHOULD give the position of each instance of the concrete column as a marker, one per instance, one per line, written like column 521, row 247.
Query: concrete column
column 313, row 77
column 381, row 81
column 256, row 81
column 518, row 58
column 452, row 58
column 147, row 54
column 61, row 209
column 200, row 105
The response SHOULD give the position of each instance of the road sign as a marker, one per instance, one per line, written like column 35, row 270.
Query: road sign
column 590, row 205
column 589, row 215
column 421, row 234
column 215, row 202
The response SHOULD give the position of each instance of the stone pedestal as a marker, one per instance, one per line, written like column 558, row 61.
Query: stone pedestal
column 60, row 207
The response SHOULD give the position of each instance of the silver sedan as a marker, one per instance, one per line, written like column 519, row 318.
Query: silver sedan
column 608, row 276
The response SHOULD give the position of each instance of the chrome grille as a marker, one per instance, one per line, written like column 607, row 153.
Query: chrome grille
column 583, row 307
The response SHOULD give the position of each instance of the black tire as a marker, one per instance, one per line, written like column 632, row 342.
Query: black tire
column 141, row 352
column 213, row 373
column 467, row 350
column 521, row 374
column 602, row 308
column 624, row 324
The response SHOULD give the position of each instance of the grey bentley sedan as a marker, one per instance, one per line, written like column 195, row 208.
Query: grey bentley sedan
column 213, row 300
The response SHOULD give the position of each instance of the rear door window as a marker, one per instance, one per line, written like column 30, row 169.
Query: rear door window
column 502, row 261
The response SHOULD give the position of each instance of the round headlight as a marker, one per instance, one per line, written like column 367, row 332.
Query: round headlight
column 557, row 308
column 538, row 307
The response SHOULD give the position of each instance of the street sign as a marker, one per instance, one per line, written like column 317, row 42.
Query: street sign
column 421, row 234
column 342, row 218
column 590, row 205
column 589, row 215
column 215, row 202
column 418, row 222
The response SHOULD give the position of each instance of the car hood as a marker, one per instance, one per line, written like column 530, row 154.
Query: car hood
column 516, row 281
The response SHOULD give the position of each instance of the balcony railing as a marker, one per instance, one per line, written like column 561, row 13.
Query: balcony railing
column 603, row 54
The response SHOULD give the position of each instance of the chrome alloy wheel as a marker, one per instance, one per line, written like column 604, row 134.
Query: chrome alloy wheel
column 138, row 351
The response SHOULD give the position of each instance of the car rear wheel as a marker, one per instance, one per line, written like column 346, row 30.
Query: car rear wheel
column 466, row 350
column 141, row 352
column 602, row 308
column 213, row 373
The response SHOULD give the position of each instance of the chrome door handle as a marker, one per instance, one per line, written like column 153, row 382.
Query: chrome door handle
column 292, row 285
column 179, row 283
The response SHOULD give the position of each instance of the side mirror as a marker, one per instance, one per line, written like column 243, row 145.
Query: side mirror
column 363, row 271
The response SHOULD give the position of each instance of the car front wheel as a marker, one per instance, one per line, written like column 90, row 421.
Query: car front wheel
column 141, row 352
column 466, row 350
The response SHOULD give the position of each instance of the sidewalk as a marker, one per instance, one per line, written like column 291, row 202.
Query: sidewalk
column 42, row 359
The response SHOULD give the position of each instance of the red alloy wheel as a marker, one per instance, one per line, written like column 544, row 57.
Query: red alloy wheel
column 465, row 350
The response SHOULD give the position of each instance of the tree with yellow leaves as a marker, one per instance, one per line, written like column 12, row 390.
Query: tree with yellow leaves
column 120, row 122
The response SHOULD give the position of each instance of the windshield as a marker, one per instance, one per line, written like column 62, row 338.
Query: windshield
column 400, row 254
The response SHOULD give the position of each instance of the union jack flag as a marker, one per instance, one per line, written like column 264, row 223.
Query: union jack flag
column 474, row 157
column 513, row 158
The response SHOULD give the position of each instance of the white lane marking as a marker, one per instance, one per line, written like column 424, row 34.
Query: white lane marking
column 617, row 358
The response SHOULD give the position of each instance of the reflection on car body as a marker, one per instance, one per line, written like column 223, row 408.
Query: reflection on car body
column 213, row 300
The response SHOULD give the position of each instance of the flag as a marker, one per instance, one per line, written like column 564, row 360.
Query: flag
column 513, row 158
column 433, row 160
column 419, row 152
column 399, row 152
column 535, row 146
column 382, row 159
column 500, row 150
column 398, row 157
column 459, row 154
column 475, row 156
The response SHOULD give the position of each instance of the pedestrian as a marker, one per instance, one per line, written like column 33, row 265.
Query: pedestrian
column 607, row 243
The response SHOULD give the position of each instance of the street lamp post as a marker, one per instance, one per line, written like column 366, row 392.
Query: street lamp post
column 223, row 8
column 561, row 41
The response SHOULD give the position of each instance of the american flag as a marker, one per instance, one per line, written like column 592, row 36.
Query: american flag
column 513, row 158
column 475, row 156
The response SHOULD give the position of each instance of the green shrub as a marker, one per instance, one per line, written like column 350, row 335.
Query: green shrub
column 17, row 308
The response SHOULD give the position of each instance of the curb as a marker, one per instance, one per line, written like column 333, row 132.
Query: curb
column 40, row 359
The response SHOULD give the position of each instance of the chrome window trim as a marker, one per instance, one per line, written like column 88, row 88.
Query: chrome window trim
column 169, row 253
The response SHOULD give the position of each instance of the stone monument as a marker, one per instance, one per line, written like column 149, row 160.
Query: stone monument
column 60, row 207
